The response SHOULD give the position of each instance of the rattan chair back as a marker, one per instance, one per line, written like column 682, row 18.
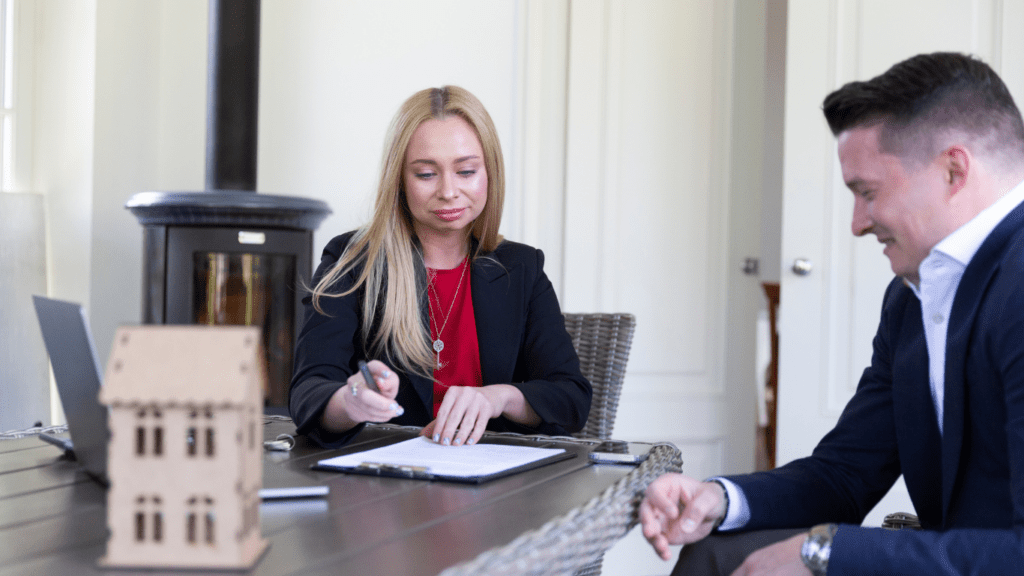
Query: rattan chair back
column 602, row 343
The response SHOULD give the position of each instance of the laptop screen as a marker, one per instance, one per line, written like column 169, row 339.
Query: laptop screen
column 76, row 370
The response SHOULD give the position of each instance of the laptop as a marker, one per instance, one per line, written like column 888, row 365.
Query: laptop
column 76, row 370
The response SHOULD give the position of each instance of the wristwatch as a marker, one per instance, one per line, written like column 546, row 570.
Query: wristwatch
column 817, row 548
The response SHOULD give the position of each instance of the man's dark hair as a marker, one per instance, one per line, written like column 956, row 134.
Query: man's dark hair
column 924, row 97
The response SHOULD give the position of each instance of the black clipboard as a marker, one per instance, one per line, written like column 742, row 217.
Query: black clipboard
column 407, row 471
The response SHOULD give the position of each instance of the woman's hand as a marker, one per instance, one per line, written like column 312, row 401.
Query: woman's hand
column 354, row 402
column 465, row 411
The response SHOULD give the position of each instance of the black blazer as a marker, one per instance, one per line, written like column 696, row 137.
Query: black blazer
column 967, row 484
column 521, row 333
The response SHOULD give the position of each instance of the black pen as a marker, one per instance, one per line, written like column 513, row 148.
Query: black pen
column 368, row 377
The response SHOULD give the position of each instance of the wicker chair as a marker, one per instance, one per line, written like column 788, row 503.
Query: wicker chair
column 602, row 342
column 575, row 542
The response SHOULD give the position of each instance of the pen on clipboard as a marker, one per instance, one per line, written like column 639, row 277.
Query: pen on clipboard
column 371, row 383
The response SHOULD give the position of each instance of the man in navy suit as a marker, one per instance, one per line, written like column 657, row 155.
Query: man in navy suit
column 933, row 151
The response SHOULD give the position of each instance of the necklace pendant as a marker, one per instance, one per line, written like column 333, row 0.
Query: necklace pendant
column 438, row 346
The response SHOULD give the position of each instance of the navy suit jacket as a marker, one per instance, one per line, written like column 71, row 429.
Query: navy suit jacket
column 520, row 330
column 967, row 484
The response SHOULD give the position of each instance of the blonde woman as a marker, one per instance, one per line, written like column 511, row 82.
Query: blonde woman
column 461, row 328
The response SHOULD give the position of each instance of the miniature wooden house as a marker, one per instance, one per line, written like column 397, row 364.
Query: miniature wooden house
column 185, row 453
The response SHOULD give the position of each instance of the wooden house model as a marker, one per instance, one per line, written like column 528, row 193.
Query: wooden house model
column 185, row 453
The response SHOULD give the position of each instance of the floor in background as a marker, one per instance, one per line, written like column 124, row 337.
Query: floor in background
column 633, row 556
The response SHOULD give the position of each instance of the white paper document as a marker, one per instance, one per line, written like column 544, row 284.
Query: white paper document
column 439, row 460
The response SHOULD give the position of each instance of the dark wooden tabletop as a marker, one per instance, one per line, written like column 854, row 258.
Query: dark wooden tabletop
column 53, row 516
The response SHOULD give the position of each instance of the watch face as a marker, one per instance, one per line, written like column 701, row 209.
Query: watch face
column 817, row 547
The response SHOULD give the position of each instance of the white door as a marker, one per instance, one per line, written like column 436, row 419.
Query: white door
column 657, row 218
column 828, row 316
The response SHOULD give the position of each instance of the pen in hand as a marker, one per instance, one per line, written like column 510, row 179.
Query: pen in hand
column 371, row 383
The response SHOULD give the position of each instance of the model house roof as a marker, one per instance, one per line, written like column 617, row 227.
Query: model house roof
column 184, row 365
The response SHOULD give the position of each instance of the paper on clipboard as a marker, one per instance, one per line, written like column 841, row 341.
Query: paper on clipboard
column 422, row 458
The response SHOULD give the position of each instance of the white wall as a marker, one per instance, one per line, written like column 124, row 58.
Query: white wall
column 63, row 87
column 24, row 393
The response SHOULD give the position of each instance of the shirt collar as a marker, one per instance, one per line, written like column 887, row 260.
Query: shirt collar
column 965, row 241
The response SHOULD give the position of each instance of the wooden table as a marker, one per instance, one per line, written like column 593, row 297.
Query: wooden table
column 551, row 520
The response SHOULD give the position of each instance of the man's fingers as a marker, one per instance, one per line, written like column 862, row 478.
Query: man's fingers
column 667, row 494
column 652, row 521
column 703, row 507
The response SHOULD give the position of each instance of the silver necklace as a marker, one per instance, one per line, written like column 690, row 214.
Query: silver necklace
column 439, row 343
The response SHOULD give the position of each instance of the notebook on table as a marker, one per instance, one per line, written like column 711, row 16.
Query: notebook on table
column 424, row 459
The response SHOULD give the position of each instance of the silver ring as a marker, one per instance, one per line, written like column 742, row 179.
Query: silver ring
column 355, row 389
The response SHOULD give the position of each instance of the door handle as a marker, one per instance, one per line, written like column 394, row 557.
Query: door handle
column 802, row 266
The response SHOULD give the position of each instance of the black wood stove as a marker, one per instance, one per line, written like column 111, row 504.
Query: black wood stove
column 228, row 255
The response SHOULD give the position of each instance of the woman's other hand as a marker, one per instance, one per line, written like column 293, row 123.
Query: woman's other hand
column 465, row 411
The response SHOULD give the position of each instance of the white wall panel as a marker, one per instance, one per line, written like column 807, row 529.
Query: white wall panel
column 544, row 67
column 24, row 369
column 647, row 197
column 648, row 223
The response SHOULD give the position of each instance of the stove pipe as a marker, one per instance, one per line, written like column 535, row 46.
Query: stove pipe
column 232, row 95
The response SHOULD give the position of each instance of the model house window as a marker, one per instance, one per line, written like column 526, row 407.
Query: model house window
column 200, row 510
column 140, row 440
column 158, row 440
column 149, row 509
column 190, row 433
column 193, row 434
column 209, row 527
column 140, row 526
column 209, row 441
column 146, row 420
column 210, row 447
column 158, row 526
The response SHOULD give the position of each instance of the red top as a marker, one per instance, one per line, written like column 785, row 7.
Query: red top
column 460, row 357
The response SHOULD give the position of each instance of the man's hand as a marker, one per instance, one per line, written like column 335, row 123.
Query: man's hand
column 680, row 510
column 779, row 559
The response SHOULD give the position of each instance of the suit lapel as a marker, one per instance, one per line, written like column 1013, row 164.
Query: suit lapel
column 917, row 429
column 492, row 321
column 969, row 294
column 424, row 386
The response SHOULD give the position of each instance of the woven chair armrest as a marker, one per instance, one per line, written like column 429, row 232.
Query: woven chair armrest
column 581, row 536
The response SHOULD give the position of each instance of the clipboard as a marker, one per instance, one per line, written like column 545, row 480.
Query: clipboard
column 417, row 459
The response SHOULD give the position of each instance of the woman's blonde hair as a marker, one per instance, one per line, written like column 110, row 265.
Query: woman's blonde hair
column 387, row 247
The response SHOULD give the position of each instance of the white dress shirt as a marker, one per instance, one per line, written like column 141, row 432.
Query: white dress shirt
column 940, row 275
